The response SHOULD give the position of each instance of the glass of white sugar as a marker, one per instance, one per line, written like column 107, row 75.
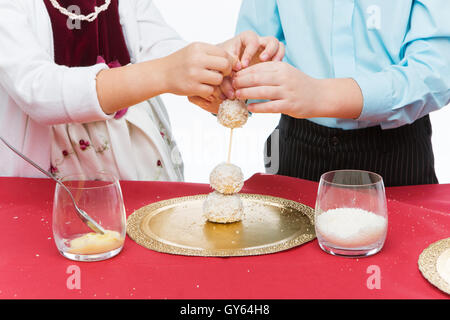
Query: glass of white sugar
column 351, row 213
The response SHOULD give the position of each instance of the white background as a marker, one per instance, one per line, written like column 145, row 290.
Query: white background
column 202, row 141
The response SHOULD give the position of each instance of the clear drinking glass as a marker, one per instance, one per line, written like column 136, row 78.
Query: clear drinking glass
column 101, row 197
column 351, row 213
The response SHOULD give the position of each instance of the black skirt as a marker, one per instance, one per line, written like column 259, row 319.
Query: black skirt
column 402, row 156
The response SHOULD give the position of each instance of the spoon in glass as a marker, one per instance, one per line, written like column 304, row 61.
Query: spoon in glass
column 91, row 223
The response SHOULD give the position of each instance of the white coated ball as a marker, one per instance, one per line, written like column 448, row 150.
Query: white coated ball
column 227, row 178
column 232, row 114
column 221, row 208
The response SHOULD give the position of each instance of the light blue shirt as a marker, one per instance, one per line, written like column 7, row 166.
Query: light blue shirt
column 398, row 51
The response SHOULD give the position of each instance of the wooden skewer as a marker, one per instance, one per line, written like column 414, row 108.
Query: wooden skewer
column 229, row 146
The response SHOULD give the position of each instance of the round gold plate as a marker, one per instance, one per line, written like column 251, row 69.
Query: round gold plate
column 177, row 226
column 428, row 264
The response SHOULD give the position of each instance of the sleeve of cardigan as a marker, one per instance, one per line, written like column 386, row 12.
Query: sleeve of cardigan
column 47, row 92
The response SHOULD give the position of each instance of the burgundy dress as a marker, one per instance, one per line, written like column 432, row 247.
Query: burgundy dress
column 80, row 47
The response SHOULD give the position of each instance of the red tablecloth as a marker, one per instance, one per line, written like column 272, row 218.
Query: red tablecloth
column 31, row 267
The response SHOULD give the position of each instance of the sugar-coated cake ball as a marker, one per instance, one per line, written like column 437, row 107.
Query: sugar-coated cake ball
column 232, row 114
column 227, row 178
column 222, row 208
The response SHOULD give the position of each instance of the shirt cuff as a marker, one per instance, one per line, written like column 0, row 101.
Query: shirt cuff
column 80, row 94
column 378, row 96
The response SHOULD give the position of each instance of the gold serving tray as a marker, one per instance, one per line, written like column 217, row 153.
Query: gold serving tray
column 177, row 226
column 428, row 264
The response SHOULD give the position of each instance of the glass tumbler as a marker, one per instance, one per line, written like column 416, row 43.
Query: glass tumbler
column 351, row 215
column 101, row 198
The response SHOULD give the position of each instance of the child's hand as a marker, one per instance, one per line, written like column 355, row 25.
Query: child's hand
column 296, row 94
column 291, row 91
column 210, row 104
column 250, row 49
column 197, row 70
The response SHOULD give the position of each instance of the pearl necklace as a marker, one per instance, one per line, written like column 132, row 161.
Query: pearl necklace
column 90, row 17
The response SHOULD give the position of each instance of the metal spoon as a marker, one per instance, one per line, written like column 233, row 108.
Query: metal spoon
column 91, row 223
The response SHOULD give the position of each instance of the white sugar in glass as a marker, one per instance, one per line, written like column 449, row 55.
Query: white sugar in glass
column 351, row 216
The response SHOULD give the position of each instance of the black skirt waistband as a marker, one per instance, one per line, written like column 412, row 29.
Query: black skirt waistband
column 298, row 127
column 317, row 136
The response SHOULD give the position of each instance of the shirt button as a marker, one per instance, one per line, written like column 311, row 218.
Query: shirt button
column 334, row 141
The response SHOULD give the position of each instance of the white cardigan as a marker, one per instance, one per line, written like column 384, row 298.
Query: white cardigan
column 36, row 93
